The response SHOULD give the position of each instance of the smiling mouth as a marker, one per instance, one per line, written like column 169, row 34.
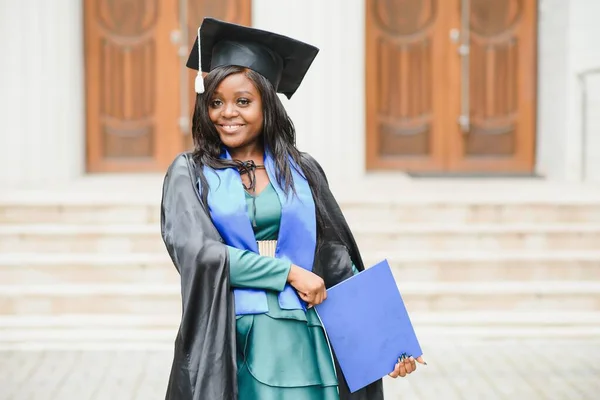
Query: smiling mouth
column 231, row 128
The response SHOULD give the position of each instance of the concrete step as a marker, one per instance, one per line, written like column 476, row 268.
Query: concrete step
column 482, row 266
column 160, row 330
column 146, row 238
column 90, row 212
column 435, row 266
column 84, row 268
column 552, row 318
column 444, row 209
column 481, row 237
column 146, row 299
column 52, row 238
column 132, row 340
column 449, row 211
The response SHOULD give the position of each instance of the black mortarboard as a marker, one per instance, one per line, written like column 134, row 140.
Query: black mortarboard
column 282, row 60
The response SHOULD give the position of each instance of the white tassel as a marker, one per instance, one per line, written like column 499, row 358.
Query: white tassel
column 199, row 83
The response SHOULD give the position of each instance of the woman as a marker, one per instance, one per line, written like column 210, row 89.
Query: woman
column 254, row 232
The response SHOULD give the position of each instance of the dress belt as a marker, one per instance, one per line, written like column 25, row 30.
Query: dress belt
column 267, row 247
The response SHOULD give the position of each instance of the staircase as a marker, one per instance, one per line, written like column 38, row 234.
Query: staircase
column 96, row 273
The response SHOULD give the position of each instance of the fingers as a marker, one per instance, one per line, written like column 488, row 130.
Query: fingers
column 399, row 370
column 310, row 300
column 421, row 361
column 320, row 296
column 396, row 372
column 405, row 366
column 305, row 297
column 309, row 284
column 402, row 370
column 314, row 298
column 411, row 364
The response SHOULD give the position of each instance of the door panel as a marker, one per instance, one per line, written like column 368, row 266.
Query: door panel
column 128, row 64
column 406, row 52
column 501, row 89
column 137, row 86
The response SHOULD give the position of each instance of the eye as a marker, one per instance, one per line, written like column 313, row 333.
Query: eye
column 216, row 103
column 243, row 102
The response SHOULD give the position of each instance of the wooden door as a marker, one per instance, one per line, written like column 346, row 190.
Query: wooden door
column 501, row 93
column 130, row 68
column 450, row 85
column 406, row 74
column 138, row 91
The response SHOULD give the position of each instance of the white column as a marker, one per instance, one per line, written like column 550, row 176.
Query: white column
column 590, row 120
column 568, row 147
column 328, row 109
column 553, row 64
column 583, row 153
column 41, row 92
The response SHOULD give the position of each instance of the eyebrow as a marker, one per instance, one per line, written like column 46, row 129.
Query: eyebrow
column 243, row 92
column 238, row 93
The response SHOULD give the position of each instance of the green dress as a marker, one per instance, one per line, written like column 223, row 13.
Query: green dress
column 283, row 354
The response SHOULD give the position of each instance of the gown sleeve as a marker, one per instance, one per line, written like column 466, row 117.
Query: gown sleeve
column 204, row 363
column 250, row 270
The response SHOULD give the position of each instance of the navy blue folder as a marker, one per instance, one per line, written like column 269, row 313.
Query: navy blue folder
column 368, row 325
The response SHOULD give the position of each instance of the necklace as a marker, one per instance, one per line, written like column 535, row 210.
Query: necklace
column 249, row 168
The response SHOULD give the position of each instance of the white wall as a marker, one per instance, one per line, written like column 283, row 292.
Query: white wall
column 591, row 161
column 584, row 55
column 568, row 46
column 328, row 109
column 553, row 51
column 41, row 91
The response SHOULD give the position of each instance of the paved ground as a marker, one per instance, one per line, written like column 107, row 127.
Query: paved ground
column 475, row 369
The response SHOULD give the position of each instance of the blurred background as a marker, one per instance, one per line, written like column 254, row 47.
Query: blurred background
column 461, row 137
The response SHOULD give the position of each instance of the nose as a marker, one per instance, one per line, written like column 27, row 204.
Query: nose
column 229, row 111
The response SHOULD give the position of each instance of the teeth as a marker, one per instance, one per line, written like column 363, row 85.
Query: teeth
column 231, row 128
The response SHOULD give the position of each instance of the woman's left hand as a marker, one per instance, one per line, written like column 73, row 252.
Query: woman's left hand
column 405, row 367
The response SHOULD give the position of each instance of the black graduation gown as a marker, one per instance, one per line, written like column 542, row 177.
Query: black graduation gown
column 204, row 362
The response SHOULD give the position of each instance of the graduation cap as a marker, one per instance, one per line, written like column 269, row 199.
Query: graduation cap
column 282, row 60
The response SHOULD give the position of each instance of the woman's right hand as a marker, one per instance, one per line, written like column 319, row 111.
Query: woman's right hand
column 310, row 286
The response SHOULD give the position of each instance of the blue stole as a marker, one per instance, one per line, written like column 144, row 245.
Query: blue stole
column 297, row 231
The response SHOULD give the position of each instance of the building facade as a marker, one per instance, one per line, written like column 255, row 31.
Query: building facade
column 417, row 87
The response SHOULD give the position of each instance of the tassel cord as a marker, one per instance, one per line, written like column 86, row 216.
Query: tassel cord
column 249, row 168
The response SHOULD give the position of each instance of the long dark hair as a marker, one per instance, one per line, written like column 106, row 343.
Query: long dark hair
column 278, row 135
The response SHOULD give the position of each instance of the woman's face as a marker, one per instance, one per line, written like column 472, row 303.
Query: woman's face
column 236, row 110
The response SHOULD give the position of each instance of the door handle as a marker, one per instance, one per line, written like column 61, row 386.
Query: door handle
column 455, row 35
column 175, row 36
column 464, row 50
column 184, row 125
